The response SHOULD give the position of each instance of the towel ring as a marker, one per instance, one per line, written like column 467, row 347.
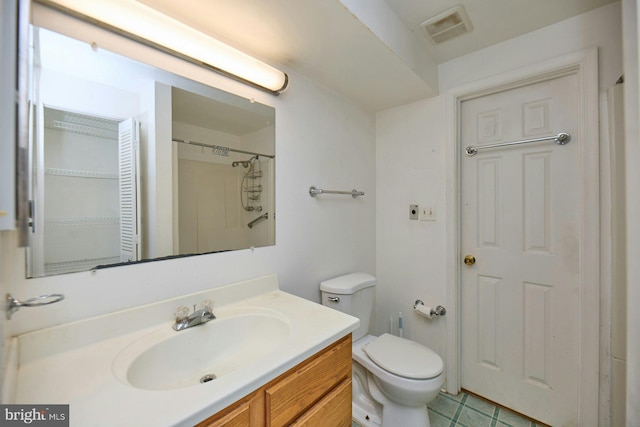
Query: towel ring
column 14, row 304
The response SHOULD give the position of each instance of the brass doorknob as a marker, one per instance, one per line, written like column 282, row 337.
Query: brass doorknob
column 469, row 260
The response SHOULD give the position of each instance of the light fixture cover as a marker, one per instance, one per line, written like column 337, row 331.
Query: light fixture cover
column 143, row 22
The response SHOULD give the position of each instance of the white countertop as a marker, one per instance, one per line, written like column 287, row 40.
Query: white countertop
column 74, row 364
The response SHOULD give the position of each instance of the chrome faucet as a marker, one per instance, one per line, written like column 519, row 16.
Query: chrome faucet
column 184, row 320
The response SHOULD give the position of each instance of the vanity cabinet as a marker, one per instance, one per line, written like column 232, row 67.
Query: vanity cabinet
column 316, row 392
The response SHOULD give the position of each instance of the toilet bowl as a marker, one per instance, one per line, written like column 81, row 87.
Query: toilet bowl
column 393, row 378
column 398, row 400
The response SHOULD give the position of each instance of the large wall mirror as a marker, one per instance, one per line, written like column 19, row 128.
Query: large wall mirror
column 132, row 163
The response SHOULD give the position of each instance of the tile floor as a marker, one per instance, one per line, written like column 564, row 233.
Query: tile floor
column 465, row 410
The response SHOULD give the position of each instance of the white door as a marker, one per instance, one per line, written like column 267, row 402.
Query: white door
column 520, row 220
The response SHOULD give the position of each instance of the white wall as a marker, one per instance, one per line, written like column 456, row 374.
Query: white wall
column 160, row 175
column 321, row 139
column 8, row 239
column 409, row 258
column 87, row 97
column 8, row 12
column 410, row 147
column 599, row 27
column 631, row 15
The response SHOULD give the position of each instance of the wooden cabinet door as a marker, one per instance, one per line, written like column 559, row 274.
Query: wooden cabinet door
column 238, row 417
column 247, row 412
column 334, row 410
column 289, row 398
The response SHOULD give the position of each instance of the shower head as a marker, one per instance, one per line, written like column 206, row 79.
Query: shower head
column 245, row 163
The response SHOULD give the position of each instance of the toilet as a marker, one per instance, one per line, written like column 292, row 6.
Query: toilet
column 393, row 378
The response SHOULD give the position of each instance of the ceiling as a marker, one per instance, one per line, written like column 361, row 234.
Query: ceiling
column 493, row 21
column 372, row 52
column 219, row 115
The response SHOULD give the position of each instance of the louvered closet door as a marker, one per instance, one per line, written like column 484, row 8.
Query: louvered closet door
column 128, row 138
column 520, row 300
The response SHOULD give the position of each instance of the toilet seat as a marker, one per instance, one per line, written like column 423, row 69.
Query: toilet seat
column 405, row 358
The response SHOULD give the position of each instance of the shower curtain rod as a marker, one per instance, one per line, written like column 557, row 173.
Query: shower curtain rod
column 221, row 148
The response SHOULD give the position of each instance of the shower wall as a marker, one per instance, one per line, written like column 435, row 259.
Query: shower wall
column 210, row 210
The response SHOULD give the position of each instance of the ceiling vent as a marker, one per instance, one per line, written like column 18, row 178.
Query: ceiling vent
column 447, row 25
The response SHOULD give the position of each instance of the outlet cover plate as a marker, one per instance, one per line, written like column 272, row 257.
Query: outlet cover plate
column 414, row 211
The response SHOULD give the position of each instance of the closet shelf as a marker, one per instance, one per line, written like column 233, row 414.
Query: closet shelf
column 85, row 221
column 111, row 134
column 80, row 173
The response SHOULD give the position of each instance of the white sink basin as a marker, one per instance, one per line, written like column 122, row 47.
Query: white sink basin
column 165, row 359
column 150, row 374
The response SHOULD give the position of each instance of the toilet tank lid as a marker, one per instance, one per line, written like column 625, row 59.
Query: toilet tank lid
column 348, row 284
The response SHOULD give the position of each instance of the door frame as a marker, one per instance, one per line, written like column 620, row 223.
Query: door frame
column 584, row 64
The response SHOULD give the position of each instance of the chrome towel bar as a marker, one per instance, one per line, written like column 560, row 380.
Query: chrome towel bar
column 561, row 139
column 313, row 192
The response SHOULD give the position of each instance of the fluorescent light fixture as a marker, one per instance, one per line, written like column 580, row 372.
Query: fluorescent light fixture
column 144, row 24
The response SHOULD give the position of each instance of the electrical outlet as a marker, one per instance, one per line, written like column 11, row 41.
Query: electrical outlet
column 427, row 213
column 413, row 211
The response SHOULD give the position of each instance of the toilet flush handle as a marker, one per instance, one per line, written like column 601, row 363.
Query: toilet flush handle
column 334, row 299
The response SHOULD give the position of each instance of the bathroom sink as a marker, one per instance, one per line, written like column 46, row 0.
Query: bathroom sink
column 165, row 359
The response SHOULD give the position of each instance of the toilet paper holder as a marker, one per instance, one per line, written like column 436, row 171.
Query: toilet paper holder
column 436, row 311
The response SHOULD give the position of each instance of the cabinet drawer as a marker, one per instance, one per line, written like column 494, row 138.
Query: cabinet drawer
column 248, row 411
column 334, row 410
column 307, row 384
column 238, row 417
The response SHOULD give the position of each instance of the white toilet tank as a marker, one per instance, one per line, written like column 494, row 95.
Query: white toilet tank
column 352, row 294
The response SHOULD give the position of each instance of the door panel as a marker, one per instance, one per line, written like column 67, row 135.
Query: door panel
column 520, row 219
column 129, row 182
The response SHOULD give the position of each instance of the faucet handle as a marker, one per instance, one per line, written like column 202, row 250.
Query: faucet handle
column 207, row 305
column 181, row 313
